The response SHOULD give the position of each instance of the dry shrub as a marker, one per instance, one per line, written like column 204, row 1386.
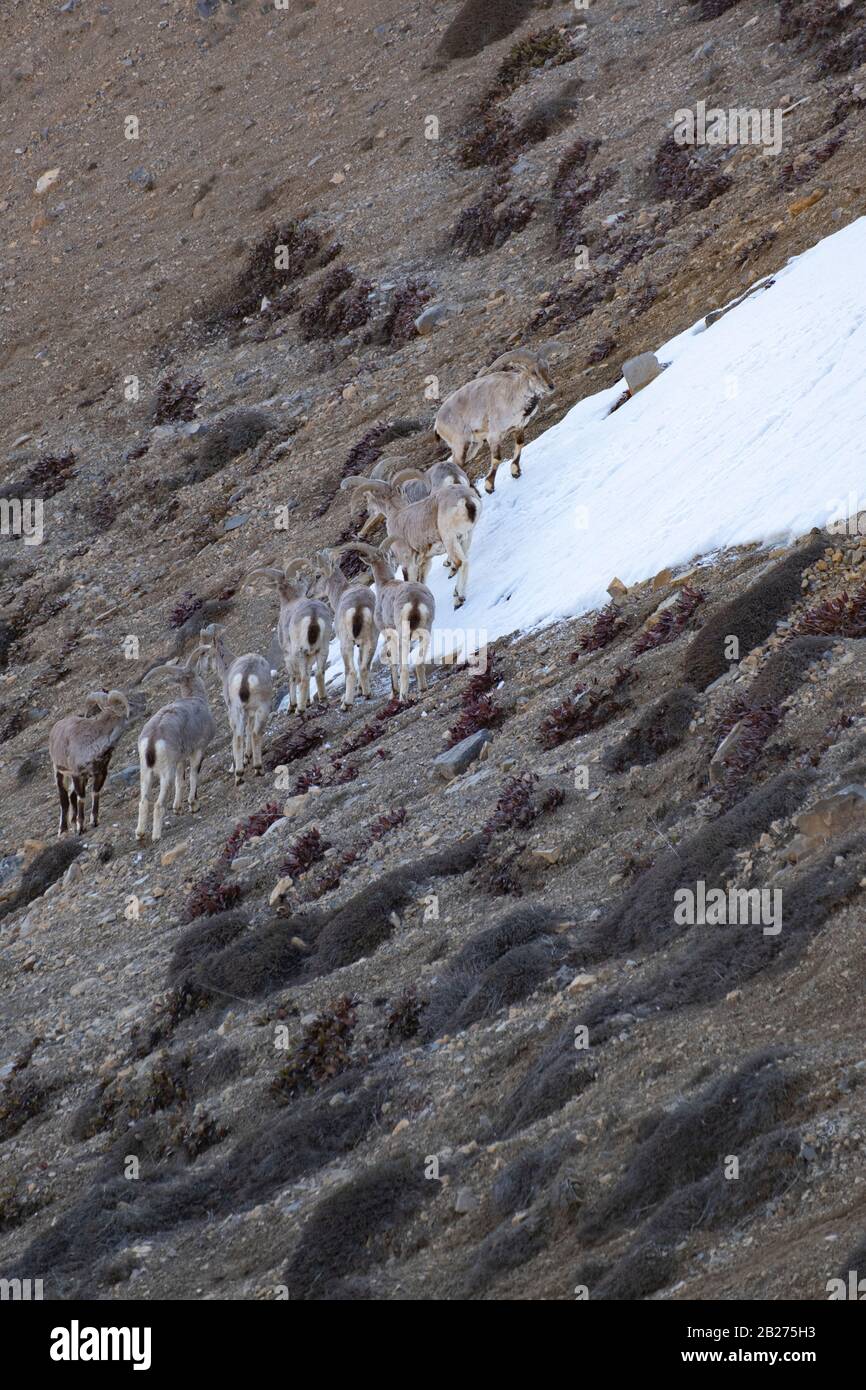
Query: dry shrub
column 323, row 1052
column 607, row 624
column 340, row 305
column 588, row 708
column 671, row 622
column 662, row 727
column 842, row 616
column 679, row 1148
column 489, row 223
column 355, row 1228
column 491, row 140
column 683, row 176
column 397, row 326
column 644, row 916
column 175, row 401
column 547, row 48
column 497, row 967
column 750, row 618
column 571, row 199
column 305, row 250
column 211, row 895
column 49, row 475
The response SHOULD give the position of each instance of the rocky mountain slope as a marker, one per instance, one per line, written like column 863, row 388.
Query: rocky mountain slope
column 324, row 1041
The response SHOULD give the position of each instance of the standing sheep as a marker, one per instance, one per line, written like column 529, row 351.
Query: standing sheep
column 248, row 692
column 81, row 747
column 304, row 633
column 503, row 397
column 172, row 740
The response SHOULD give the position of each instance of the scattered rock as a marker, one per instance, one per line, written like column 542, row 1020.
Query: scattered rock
column 465, row 1201
column 142, row 178
column 170, row 855
column 430, row 318
column 46, row 181
column 845, row 810
column 455, row 760
column 580, row 982
column 640, row 371
column 281, row 888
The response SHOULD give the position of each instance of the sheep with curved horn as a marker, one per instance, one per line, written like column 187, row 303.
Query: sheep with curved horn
column 502, row 398
column 80, row 746
column 354, row 607
column 248, row 693
column 444, row 521
column 173, row 740
column 404, row 614
column 304, row 632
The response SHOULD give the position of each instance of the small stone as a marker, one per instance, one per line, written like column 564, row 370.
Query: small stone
column 282, row 887
column 801, row 204
column 617, row 589
column 430, row 318
column 548, row 856
column 400, row 1126
column 641, row 370
column 465, row 1201
column 580, row 982
column 46, row 180
column 453, row 761
column 170, row 855
column 142, row 178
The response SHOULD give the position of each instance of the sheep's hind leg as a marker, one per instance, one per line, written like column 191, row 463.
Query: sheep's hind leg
column 515, row 462
column 80, row 785
column 64, row 803
column 495, row 460
column 100, row 772
column 143, row 799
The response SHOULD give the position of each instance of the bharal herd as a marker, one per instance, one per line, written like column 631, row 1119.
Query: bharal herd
column 424, row 513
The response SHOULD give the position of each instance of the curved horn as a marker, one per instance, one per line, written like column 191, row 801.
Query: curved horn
column 516, row 357
column 269, row 572
column 377, row 487
column 99, row 698
column 408, row 475
column 117, row 700
column 359, row 546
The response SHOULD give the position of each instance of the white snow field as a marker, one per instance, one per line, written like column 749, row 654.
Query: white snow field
column 755, row 432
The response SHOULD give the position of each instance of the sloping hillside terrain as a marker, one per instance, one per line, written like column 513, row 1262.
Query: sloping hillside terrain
column 376, row 1026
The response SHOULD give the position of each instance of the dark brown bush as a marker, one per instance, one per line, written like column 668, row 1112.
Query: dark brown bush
column 662, row 727
column 492, row 221
column 684, row 176
column 751, row 618
column 478, row 23
column 355, row 1228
